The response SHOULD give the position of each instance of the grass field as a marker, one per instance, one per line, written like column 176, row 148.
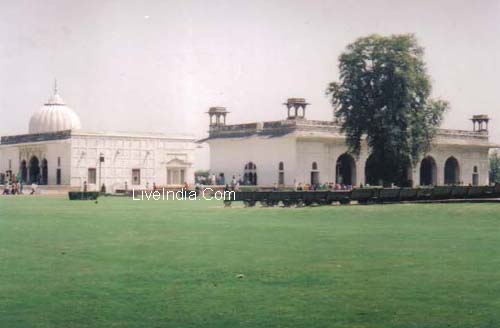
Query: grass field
column 124, row 263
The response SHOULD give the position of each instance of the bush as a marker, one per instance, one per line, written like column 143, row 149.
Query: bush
column 80, row 195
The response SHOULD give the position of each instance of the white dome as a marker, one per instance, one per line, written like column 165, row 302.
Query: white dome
column 54, row 116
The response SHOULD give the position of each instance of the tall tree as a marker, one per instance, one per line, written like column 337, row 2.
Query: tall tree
column 384, row 95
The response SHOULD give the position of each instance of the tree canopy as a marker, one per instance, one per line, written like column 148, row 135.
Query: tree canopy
column 383, row 95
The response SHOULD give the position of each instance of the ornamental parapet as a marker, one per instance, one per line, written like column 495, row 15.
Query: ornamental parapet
column 35, row 137
column 463, row 133
column 283, row 127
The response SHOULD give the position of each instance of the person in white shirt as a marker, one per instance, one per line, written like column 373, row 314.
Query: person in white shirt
column 33, row 188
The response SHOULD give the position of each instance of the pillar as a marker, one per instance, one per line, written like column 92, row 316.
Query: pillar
column 440, row 172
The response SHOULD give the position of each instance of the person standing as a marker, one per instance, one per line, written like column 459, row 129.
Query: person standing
column 33, row 188
column 233, row 182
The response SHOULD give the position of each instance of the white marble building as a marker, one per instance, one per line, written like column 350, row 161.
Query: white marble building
column 56, row 151
column 299, row 150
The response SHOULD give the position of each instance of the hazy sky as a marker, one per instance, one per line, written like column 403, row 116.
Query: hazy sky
column 159, row 65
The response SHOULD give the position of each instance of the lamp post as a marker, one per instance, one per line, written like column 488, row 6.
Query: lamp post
column 101, row 160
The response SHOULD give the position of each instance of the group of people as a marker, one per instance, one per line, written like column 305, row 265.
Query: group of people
column 321, row 187
column 219, row 180
column 211, row 179
column 298, row 186
column 15, row 186
column 235, row 184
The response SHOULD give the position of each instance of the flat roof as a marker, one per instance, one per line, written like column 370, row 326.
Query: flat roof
column 67, row 134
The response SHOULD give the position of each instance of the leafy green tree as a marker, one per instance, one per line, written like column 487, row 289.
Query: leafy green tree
column 384, row 95
column 495, row 168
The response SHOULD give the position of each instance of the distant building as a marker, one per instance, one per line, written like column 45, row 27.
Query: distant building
column 298, row 150
column 56, row 151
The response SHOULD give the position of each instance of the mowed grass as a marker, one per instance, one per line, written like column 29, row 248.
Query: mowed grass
column 124, row 263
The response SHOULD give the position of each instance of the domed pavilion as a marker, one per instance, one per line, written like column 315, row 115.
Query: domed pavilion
column 57, row 151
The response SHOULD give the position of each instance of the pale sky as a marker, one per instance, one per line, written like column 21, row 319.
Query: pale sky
column 158, row 65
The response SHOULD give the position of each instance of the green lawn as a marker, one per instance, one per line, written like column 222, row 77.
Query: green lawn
column 124, row 263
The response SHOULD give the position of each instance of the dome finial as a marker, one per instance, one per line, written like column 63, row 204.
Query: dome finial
column 55, row 99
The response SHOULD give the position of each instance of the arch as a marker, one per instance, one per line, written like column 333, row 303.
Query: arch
column 34, row 170
column 24, row 171
column 388, row 173
column 314, row 166
column 451, row 171
column 44, row 179
column 346, row 170
column 250, row 166
column 250, row 174
column 428, row 171
column 281, row 166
